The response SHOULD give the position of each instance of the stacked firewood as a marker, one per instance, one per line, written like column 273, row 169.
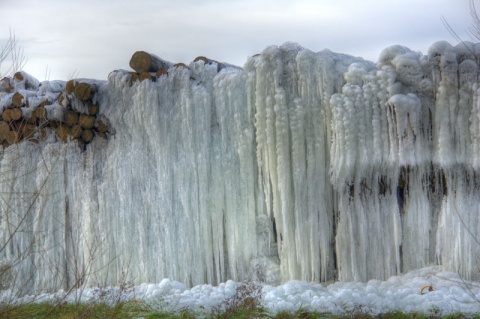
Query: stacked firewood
column 33, row 111
column 148, row 66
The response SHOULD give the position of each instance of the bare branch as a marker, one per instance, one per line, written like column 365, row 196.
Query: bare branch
column 474, row 29
column 12, row 53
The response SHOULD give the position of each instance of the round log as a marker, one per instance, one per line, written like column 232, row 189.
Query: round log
column 101, row 126
column 142, row 61
column 17, row 99
column 180, row 65
column 201, row 58
column 6, row 85
column 83, row 91
column 40, row 112
column 86, row 121
column 28, row 81
column 4, row 129
column 206, row 60
column 63, row 99
column 87, row 135
column 70, row 86
column 71, row 118
column 93, row 109
column 19, row 76
column 15, row 114
column 76, row 131
column 6, row 115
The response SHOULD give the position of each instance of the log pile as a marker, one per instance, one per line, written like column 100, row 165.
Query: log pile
column 150, row 67
column 33, row 111
column 30, row 110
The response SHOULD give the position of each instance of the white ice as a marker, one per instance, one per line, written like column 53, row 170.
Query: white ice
column 399, row 293
column 313, row 166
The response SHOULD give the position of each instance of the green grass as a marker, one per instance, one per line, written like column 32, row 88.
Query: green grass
column 141, row 310
column 244, row 304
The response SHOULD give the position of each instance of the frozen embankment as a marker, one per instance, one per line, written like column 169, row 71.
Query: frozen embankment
column 300, row 166
column 399, row 293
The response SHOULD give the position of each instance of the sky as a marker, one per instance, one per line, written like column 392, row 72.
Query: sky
column 63, row 39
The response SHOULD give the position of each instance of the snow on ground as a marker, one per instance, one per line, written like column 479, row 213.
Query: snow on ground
column 399, row 293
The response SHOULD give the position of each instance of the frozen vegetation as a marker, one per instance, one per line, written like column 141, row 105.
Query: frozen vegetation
column 300, row 166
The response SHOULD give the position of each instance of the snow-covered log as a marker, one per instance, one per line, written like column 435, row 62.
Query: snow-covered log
column 142, row 61
column 23, row 80
column 6, row 85
column 12, row 114
column 18, row 99
column 84, row 91
column 206, row 60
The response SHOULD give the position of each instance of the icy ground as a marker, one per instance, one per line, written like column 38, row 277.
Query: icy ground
column 399, row 293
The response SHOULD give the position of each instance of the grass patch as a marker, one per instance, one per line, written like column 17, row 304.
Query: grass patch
column 136, row 310
column 245, row 303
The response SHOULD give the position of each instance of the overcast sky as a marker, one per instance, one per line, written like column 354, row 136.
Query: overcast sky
column 90, row 38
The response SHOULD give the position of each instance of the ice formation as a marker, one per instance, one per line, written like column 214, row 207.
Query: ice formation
column 302, row 165
column 450, row 294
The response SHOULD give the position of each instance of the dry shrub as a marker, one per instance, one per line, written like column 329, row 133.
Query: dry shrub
column 245, row 303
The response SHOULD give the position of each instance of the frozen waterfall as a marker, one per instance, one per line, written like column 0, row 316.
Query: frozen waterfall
column 302, row 165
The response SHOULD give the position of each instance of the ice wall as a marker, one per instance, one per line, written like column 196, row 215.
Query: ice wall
column 301, row 165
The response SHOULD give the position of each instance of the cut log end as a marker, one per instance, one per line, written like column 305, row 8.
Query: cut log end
column 201, row 58
column 71, row 118
column 6, row 115
column 93, row 109
column 87, row 136
column 63, row 99
column 101, row 126
column 83, row 91
column 17, row 99
column 180, row 65
column 70, row 86
column 6, row 85
column 15, row 114
column 141, row 61
column 40, row 112
column 86, row 121
column 19, row 76
column 76, row 131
